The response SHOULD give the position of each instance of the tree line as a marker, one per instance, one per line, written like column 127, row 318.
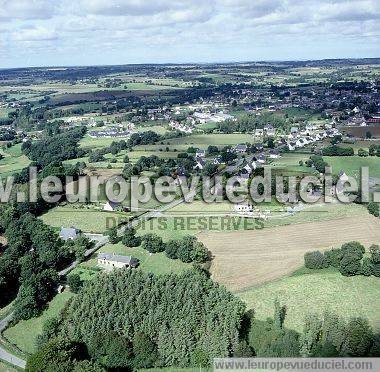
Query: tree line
column 56, row 148
column 188, row 249
column 349, row 259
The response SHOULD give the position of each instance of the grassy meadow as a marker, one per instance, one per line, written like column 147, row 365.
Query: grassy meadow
column 352, row 164
column 25, row 332
column 315, row 291
column 13, row 160
column 87, row 220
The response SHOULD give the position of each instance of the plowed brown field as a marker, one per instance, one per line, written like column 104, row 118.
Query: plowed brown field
column 246, row 258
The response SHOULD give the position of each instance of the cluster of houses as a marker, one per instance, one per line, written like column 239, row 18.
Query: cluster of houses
column 182, row 127
column 205, row 117
column 298, row 139
column 110, row 132
column 247, row 163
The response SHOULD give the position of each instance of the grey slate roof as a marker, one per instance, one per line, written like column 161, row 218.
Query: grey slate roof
column 68, row 233
column 129, row 260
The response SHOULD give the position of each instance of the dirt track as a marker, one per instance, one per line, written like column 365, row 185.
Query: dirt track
column 247, row 258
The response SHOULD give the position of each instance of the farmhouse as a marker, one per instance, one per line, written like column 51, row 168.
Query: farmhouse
column 274, row 154
column 69, row 233
column 260, row 158
column 111, row 206
column 200, row 163
column 111, row 261
column 269, row 129
column 243, row 208
column 240, row 149
column 259, row 146
column 200, row 153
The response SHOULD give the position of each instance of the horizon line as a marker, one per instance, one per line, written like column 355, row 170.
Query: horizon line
column 191, row 63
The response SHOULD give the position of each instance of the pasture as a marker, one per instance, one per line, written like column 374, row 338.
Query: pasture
column 91, row 142
column 86, row 219
column 264, row 255
column 314, row 292
column 352, row 164
column 14, row 160
column 276, row 215
column 201, row 141
column 25, row 332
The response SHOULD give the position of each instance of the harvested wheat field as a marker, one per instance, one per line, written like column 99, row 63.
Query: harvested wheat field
column 246, row 258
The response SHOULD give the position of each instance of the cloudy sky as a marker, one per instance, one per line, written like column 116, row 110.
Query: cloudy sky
column 91, row 32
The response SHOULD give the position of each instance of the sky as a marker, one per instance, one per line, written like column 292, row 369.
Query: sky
column 105, row 32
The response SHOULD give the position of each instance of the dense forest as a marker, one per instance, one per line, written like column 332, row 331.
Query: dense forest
column 128, row 319
column 188, row 318
column 55, row 148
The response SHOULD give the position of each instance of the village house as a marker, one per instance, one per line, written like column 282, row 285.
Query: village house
column 111, row 206
column 269, row 130
column 240, row 149
column 217, row 160
column 261, row 158
column 111, row 261
column 243, row 208
column 294, row 131
column 259, row 146
column 274, row 154
column 259, row 132
column 200, row 163
column 292, row 146
column 200, row 153
column 69, row 233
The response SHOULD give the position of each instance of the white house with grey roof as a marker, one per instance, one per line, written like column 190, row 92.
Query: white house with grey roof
column 69, row 233
column 111, row 261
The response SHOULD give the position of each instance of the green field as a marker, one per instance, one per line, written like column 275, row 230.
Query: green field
column 4, row 367
column 352, row 164
column 159, row 129
column 87, row 220
column 25, row 332
column 13, row 160
column 90, row 142
column 365, row 145
column 156, row 263
column 184, row 218
column 201, row 141
column 289, row 162
column 314, row 292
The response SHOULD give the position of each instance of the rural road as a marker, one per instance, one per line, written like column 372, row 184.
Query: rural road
column 12, row 359
column 100, row 241
column 5, row 355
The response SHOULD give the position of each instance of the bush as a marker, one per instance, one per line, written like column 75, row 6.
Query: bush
column 153, row 243
column 374, row 208
column 74, row 282
column 130, row 239
column 352, row 254
column 366, row 267
column 56, row 353
column 333, row 256
column 362, row 152
column 171, row 249
column 338, row 151
column 315, row 260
